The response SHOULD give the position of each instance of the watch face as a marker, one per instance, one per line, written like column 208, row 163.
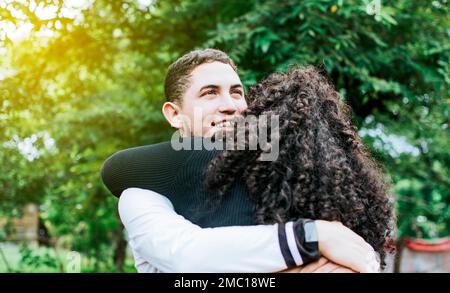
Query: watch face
column 310, row 232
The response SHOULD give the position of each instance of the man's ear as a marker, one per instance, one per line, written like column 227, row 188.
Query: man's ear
column 172, row 113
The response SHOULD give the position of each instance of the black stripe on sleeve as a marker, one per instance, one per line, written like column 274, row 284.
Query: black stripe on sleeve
column 285, row 251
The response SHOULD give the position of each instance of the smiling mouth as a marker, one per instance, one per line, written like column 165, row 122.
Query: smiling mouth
column 222, row 124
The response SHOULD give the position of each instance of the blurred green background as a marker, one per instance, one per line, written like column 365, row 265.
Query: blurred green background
column 80, row 80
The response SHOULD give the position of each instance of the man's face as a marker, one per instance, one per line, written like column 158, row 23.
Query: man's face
column 214, row 96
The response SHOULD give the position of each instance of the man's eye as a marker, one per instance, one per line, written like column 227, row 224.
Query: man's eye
column 211, row 92
column 237, row 92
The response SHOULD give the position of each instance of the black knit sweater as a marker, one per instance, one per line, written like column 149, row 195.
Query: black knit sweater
column 178, row 175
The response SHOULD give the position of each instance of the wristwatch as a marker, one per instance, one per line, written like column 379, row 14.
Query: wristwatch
column 306, row 239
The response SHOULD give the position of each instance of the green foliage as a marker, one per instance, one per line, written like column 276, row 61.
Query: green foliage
column 36, row 261
column 421, row 177
column 94, row 86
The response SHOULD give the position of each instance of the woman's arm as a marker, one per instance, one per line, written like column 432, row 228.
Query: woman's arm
column 173, row 244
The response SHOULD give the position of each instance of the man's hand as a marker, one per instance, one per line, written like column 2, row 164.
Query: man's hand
column 322, row 265
column 342, row 246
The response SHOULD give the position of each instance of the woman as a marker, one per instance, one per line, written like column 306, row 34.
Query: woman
column 322, row 171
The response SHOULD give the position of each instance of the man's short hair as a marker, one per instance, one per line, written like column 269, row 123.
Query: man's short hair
column 177, row 78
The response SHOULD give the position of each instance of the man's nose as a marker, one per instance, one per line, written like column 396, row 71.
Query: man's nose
column 228, row 106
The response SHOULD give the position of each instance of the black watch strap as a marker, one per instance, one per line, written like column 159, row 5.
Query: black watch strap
column 306, row 239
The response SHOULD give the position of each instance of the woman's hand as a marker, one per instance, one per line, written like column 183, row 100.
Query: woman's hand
column 322, row 265
column 342, row 246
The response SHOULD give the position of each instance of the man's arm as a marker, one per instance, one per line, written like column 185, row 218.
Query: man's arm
column 149, row 167
column 173, row 244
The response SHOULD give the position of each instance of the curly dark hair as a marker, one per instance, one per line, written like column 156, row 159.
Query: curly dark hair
column 322, row 171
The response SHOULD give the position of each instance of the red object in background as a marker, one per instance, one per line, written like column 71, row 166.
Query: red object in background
column 439, row 245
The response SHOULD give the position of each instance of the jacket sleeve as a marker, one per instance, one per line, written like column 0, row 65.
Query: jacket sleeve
column 173, row 244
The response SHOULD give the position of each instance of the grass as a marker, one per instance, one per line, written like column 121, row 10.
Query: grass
column 49, row 260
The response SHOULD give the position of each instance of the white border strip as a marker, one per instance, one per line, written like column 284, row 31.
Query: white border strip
column 291, row 243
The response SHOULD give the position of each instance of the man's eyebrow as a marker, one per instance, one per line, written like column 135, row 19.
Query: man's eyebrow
column 209, row 86
column 213, row 86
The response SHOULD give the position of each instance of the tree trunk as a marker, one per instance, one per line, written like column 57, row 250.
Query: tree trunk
column 120, row 252
column 398, row 256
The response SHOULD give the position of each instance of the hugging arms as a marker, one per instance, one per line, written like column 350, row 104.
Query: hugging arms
column 160, row 238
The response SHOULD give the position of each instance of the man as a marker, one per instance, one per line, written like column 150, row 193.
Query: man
column 203, row 94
